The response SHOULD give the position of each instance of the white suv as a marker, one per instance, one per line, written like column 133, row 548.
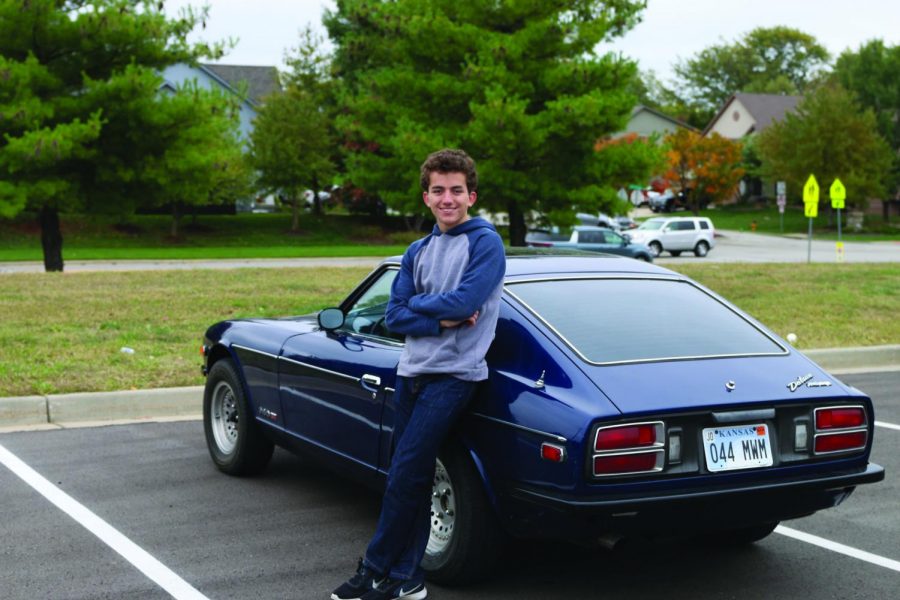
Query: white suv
column 676, row 235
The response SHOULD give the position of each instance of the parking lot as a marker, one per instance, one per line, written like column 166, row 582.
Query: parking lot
column 138, row 511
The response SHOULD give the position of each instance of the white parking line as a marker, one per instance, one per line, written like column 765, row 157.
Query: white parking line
column 887, row 425
column 839, row 548
column 146, row 564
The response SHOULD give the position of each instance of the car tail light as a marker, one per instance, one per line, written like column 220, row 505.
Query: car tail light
column 553, row 452
column 840, row 429
column 629, row 449
column 639, row 435
column 841, row 442
column 841, row 417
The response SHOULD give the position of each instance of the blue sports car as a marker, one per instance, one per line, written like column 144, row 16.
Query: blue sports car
column 592, row 424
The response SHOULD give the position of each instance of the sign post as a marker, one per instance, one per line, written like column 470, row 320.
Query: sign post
column 781, row 191
column 810, row 209
column 838, row 194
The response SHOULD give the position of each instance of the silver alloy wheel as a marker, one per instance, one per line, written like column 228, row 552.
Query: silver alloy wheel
column 655, row 248
column 443, row 510
column 702, row 249
column 223, row 417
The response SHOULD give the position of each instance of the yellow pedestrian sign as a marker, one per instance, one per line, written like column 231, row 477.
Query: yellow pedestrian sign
column 811, row 197
column 838, row 194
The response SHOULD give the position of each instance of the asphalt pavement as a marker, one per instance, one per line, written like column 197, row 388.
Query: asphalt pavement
column 139, row 511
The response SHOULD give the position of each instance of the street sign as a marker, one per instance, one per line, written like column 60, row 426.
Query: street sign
column 781, row 188
column 782, row 202
column 838, row 194
column 811, row 197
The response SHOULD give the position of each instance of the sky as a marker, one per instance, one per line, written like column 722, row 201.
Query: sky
column 670, row 29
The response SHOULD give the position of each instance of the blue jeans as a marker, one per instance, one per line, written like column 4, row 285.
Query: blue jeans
column 426, row 408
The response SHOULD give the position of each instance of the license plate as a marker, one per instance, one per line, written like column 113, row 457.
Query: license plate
column 740, row 447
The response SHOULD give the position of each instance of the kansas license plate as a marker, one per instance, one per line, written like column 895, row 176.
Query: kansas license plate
column 740, row 447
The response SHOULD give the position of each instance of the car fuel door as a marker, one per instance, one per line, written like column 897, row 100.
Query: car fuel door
column 334, row 384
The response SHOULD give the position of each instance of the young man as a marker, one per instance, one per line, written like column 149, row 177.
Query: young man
column 445, row 299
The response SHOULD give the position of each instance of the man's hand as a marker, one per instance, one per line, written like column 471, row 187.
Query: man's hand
column 447, row 324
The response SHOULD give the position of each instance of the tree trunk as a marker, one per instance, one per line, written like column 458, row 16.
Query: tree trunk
column 295, row 214
column 176, row 220
column 51, row 239
column 517, row 228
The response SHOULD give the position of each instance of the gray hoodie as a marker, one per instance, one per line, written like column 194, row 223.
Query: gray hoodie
column 449, row 276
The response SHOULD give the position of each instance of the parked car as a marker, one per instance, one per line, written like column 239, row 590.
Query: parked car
column 594, row 239
column 676, row 235
column 666, row 201
column 692, row 418
column 598, row 220
column 626, row 223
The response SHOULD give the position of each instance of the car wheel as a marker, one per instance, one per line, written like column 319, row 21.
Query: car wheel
column 465, row 540
column 701, row 249
column 655, row 248
column 675, row 252
column 235, row 442
column 740, row 536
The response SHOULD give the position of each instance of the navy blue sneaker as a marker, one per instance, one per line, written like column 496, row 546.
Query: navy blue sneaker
column 397, row 589
column 359, row 584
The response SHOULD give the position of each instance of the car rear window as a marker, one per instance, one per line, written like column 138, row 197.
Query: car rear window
column 610, row 320
column 704, row 225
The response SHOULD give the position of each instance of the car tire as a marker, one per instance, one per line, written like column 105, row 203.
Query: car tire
column 655, row 248
column 466, row 539
column 675, row 252
column 701, row 249
column 235, row 442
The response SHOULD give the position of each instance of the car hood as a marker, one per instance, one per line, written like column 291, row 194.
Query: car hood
column 678, row 385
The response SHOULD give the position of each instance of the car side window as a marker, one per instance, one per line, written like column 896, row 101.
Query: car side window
column 683, row 225
column 590, row 237
column 612, row 237
column 704, row 225
column 366, row 315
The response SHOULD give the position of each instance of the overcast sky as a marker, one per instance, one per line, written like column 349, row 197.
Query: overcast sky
column 671, row 29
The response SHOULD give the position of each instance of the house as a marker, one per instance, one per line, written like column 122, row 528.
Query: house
column 256, row 82
column 747, row 114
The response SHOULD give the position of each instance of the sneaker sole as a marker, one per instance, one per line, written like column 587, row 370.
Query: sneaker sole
column 420, row 595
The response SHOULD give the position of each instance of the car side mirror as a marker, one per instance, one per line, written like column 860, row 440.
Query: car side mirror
column 330, row 318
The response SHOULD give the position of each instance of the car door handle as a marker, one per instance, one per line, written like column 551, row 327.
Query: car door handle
column 370, row 382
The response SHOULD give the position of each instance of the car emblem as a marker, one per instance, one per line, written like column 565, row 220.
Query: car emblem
column 729, row 385
column 799, row 382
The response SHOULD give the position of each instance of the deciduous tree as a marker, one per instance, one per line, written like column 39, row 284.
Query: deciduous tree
column 705, row 168
column 515, row 83
column 768, row 60
column 292, row 145
column 872, row 73
column 829, row 135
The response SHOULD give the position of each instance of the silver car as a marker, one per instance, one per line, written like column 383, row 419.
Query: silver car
column 676, row 235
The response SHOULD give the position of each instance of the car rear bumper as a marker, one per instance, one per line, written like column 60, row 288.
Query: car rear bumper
column 540, row 513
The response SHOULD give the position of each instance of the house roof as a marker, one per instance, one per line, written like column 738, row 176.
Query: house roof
column 260, row 81
column 764, row 108
column 642, row 108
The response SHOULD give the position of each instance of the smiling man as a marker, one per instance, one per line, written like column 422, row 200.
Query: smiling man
column 445, row 300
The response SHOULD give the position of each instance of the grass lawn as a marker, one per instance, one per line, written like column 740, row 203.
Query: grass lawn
column 64, row 332
column 207, row 236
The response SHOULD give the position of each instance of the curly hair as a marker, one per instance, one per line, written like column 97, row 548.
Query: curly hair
column 449, row 161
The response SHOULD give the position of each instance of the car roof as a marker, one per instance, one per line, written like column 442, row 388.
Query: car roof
column 524, row 262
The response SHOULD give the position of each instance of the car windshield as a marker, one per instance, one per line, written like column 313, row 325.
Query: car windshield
column 652, row 225
column 610, row 320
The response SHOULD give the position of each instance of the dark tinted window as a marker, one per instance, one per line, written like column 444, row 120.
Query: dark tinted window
column 704, row 225
column 612, row 320
column 590, row 237
column 682, row 225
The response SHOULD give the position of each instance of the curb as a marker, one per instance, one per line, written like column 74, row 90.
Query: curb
column 67, row 410
column 70, row 410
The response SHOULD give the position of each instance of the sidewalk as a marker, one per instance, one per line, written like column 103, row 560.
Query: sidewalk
column 185, row 403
